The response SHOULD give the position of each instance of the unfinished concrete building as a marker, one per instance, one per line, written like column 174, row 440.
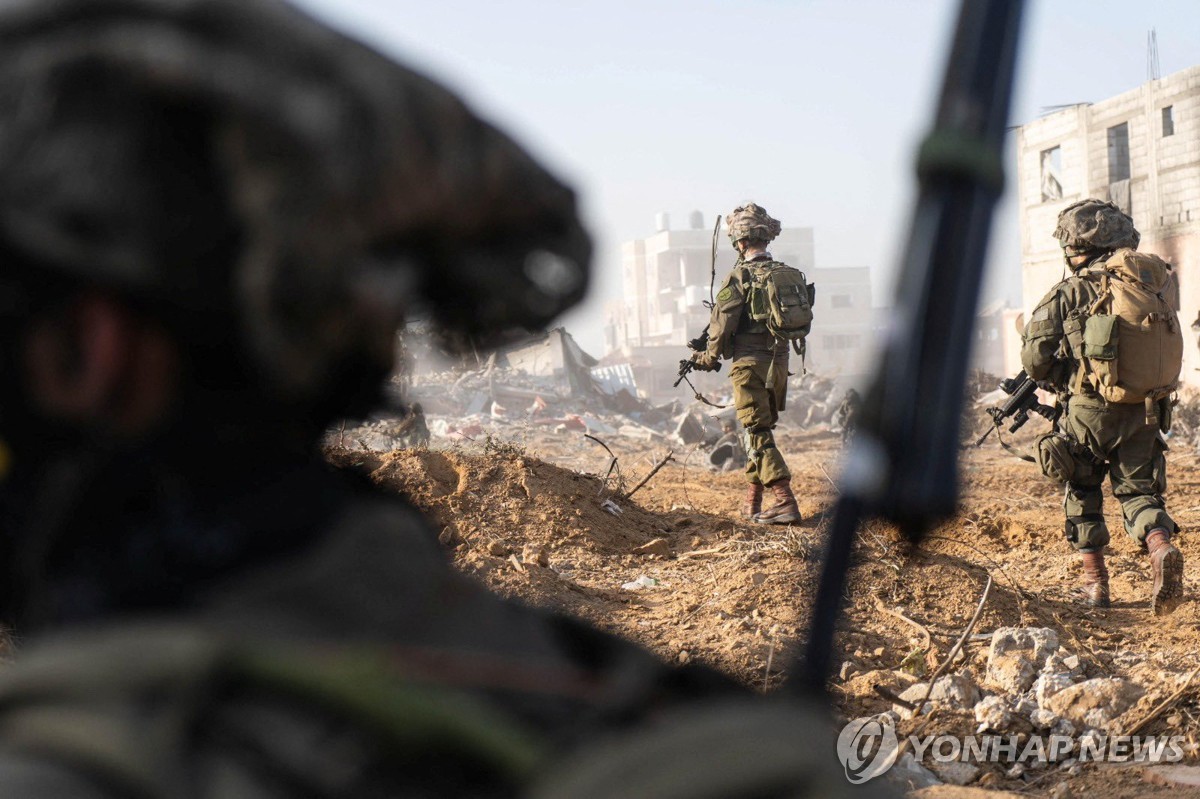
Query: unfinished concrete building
column 1141, row 150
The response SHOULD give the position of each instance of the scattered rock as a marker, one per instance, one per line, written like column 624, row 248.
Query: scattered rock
column 640, row 583
column 496, row 548
column 1016, row 772
column 1049, row 684
column 447, row 537
column 1042, row 719
column 955, row 772
column 1063, row 727
column 992, row 714
column 1017, row 654
column 847, row 671
column 952, row 691
column 657, row 547
column 535, row 556
column 1096, row 702
column 911, row 774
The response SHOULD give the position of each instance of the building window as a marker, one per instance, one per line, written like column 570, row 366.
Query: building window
column 840, row 300
column 1118, row 153
column 1168, row 113
column 1051, row 169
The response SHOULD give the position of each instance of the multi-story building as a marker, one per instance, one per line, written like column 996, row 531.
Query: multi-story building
column 666, row 281
column 1140, row 150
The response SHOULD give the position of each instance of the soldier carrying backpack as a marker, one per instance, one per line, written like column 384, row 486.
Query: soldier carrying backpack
column 1108, row 340
column 762, row 312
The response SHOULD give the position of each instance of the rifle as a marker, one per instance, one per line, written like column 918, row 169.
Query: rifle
column 686, row 367
column 700, row 342
column 902, row 465
column 1022, row 400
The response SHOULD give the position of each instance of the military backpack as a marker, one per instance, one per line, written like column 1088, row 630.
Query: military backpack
column 780, row 299
column 1132, row 342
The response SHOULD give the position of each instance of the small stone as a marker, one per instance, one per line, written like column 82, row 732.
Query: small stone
column 1174, row 720
column 955, row 772
column 911, row 774
column 1016, row 772
column 1063, row 727
column 1042, row 719
column 535, row 556
column 1048, row 685
column 879, row 652
column 952, row 691
column 1061, row 791
column 659, row 547
column 847, row 671
column 684, row 656
column 496, row 548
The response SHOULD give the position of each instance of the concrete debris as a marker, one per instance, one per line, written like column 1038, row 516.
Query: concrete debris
column 952, row 692
column 993, row 714
column 1042, row 719
column 955, row 772
column 1017, row 654
column 910, row 774
column 1097, row 702
column 1049, row 684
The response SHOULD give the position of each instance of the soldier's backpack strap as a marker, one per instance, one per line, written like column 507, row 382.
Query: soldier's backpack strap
column 128, row 707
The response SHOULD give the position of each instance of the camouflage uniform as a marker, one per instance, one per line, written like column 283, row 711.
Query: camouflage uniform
column 759, row 372
column 1096, row 436
column 1115, row 438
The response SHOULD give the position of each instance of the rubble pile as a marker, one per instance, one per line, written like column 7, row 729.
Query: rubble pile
column 1029, row 684
column 552, row 388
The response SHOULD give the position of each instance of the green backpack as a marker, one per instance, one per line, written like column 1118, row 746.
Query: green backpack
column 781, row 299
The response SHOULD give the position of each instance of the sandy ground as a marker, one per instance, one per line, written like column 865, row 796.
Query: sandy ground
column 527, row 520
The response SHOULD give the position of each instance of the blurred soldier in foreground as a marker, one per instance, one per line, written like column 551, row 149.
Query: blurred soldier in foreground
column 213, row 214
column 763, row 306
column 1107, row 340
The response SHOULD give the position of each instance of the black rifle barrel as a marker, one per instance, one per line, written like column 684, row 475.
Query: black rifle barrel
column 903, row 465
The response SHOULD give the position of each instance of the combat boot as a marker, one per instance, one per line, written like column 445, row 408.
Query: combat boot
column 785, row 510
column 1095, row 580
column 753, row 504
column 1166, row 563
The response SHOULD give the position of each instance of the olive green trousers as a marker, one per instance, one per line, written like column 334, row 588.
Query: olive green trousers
column 759, row 394
column 1135, row 463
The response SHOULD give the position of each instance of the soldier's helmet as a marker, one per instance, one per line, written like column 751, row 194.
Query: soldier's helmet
column 752, row 221
column 236, row 159
column 1095, row 226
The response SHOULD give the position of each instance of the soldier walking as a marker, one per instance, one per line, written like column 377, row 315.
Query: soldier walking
column 741, row 329
column 1107, row 340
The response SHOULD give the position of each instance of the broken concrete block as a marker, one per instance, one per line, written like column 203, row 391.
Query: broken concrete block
column 1047, row 685
column 1017, row 654
column 1096, row 702
column 1042, row 719
column 992, row 714
column 911, row 774
column 952, row 691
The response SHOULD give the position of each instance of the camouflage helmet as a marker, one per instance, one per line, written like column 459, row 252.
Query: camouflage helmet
column 752, row 221
column 1095, row 225
column 344, row 190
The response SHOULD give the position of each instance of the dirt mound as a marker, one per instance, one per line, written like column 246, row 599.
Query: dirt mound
column 678, row 570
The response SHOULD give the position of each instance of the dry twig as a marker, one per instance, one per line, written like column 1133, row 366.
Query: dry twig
column 669, row 457
column 954, row 650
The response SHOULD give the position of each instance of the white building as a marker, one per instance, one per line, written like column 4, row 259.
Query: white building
column 1141, row 150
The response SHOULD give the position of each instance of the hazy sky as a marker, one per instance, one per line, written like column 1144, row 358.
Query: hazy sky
column 812, row 108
